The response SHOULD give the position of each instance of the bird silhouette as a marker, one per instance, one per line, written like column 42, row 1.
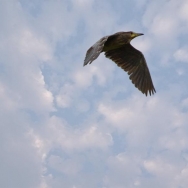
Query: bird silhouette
column 117, row 47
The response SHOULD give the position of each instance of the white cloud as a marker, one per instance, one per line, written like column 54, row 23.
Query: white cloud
column 65, row 124
column 183, row 11
column 181, row 54
column 59, row 133
column 30, row 45
column 67, row 166
column 64, row 98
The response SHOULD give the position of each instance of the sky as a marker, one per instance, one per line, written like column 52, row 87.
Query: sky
column 63, row 125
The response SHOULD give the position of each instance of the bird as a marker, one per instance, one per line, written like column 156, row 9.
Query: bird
column 117, row 47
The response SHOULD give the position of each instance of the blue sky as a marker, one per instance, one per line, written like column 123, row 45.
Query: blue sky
column 65, row 125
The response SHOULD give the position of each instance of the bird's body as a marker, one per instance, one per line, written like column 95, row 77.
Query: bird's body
column 115, row 41
column 117, row 47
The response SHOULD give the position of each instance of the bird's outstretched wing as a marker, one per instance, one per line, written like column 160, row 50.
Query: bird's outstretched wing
column 94, row 51
column 133, row 62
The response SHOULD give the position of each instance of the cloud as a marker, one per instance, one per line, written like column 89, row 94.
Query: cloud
column 65, row 124
column 58, row 133
column 181, row 55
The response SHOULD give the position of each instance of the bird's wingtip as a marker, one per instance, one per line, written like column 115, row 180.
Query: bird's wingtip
column 85, row 63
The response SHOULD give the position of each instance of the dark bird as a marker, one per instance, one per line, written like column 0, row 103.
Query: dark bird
column 117, row 47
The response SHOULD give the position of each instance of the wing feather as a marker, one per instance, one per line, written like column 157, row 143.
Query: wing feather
column 95, row 50
column 133, row 62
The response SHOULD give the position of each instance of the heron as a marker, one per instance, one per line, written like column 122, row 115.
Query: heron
column 117, row 47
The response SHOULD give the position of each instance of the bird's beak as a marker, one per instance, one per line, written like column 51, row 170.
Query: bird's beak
column 138, row 34
column 133, row 35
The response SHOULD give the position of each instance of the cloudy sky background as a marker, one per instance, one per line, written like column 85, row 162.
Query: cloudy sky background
column 65, row 125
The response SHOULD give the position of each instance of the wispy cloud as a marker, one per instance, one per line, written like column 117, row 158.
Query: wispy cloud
column 63, row 124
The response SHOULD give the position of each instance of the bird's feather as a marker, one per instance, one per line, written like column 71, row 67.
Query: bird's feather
column 95, row 50
column 133, row 62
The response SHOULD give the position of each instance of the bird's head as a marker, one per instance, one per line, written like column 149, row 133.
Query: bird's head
column 132, row 34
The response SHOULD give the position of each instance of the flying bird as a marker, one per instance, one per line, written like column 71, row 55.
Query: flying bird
column 117, row 47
